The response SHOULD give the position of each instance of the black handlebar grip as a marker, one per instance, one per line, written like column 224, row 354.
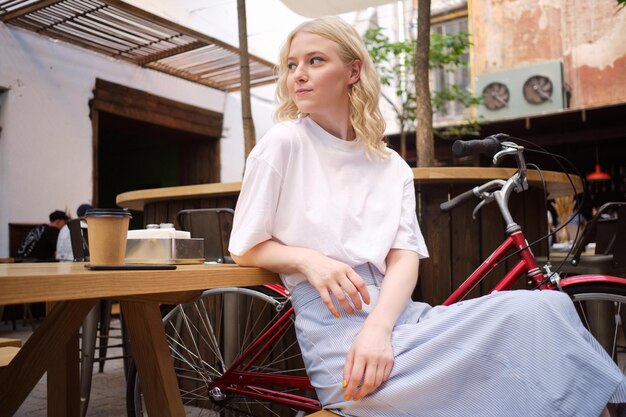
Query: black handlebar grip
column 458, row 200
column 488, row 146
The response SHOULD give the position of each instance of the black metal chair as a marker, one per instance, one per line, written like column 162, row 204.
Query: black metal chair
column 96, row 326
column 78, row 238
column 212, row 224
column 610, row 238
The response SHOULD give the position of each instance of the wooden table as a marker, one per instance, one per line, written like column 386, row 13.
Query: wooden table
column 53, row 347
column 457, row 244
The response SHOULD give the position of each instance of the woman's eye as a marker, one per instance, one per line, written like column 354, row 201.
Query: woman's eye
column 291, row 66
column 316, row 59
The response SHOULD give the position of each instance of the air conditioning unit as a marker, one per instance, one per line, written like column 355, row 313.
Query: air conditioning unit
column 521, row 91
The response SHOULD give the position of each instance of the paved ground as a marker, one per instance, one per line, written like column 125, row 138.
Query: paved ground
column 108, row 393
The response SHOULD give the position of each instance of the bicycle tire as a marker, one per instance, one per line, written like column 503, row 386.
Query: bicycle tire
column 602, row 309
column 197, row 334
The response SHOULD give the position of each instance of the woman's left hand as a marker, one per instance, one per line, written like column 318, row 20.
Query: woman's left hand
column 369, row 361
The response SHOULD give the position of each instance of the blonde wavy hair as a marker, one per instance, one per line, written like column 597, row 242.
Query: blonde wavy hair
column 365, row 116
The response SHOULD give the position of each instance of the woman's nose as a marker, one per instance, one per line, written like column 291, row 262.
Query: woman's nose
column 300, row 74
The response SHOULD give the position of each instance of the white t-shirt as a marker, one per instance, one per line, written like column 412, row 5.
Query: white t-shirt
column 304, row 187
column 64, row 245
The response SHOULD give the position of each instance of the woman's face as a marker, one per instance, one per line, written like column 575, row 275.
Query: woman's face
column 318, row 80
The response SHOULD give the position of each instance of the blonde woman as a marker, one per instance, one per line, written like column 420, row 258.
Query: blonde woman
column 329, row 207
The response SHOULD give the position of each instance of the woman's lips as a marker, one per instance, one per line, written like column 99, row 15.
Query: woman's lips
column 302, row 91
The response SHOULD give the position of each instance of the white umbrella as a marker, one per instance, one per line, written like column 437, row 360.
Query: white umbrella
column 317, row 8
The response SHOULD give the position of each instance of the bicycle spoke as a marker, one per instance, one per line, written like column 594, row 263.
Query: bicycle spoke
column 207, row 335
column 178, row 355
column 599, row 306
column 615, row 330
column 210, row 331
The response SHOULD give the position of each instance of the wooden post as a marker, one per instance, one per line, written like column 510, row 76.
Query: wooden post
column 424, row 146
column 246, row 111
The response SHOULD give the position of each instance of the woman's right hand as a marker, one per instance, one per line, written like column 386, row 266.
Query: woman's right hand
column 329, row 276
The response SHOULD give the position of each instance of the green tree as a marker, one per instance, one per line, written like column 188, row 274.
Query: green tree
column 395, row 62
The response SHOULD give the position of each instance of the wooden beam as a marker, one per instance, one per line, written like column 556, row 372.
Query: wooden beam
column 27, row 9
column 182, row 29
column 140, row 105
column 46, row 345
column 153, row 359
column 171, row 52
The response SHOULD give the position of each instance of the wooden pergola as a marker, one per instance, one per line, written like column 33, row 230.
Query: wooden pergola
column 126, row 32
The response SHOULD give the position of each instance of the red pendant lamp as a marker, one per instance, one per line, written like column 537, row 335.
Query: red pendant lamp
column 598, row 174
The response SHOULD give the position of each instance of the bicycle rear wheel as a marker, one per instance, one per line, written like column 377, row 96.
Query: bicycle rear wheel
column 602, row 309
column 206, row 336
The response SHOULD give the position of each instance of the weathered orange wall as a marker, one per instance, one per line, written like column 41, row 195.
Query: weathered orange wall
column 588, row 36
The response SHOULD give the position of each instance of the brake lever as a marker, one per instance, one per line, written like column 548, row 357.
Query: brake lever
column 480, row 205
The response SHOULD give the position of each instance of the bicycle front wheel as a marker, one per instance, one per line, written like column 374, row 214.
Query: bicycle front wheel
column 208, row 335
column 602, row 309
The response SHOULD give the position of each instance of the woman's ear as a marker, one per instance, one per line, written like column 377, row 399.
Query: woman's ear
column 355, row 71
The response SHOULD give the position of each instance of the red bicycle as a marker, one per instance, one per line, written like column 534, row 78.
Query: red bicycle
column 235, row 351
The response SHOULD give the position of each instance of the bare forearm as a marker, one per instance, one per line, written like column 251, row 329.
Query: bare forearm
column 273, row 256
column 370, row 358
column 395, row 292
column 326, row 275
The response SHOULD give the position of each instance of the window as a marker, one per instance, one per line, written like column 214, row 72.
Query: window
column 2, row 98
column 443, row 79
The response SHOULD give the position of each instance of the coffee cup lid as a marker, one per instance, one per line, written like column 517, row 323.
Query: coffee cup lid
column 108, row 213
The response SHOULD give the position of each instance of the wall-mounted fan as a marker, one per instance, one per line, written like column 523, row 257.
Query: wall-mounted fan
column 496, row 95
column 538, row 89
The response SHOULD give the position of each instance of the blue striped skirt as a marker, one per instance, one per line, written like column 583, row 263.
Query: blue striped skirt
column 508, row 354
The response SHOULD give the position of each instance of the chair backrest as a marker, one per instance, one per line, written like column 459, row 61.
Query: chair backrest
column 619, row 243
column 78, row 238
column 212, row 224
column 605, row 235
column 609, row 235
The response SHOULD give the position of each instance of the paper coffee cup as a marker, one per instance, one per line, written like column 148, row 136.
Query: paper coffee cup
column 107, row 232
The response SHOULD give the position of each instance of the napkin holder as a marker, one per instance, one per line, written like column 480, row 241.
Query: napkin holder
column 163, row 246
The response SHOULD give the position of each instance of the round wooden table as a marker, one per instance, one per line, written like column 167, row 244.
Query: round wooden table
column 457, row 243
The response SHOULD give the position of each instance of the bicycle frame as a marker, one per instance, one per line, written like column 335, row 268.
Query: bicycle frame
column 238, row 379
column 526, row 265
column 251, row 384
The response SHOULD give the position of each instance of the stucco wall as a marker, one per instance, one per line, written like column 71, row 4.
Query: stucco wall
column 46, row 141
column 588, row 36
column 46, row 138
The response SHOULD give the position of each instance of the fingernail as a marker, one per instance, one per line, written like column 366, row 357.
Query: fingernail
column 344, row 384
column 367, row 302
column 351, row 313
column 337, row 315
column 347, row 398
column 356, row 398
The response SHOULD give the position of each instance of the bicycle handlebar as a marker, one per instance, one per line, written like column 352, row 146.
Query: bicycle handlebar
column 458, row 200
column 488, row 146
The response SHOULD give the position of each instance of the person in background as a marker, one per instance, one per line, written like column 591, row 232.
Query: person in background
column 64, row 243
column 41, row 242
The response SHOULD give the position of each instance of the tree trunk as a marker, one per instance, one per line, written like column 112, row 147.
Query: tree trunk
column 402, row 140
column 424, row 145
column 244, row 64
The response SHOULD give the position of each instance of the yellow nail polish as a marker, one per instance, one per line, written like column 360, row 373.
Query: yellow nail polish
column 347, row 398
column 367, row 302
column 344, row 384
column 337, row 315
column 356, row 398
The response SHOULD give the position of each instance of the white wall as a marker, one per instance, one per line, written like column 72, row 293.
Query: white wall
column 232, row 146
column 46, row 138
